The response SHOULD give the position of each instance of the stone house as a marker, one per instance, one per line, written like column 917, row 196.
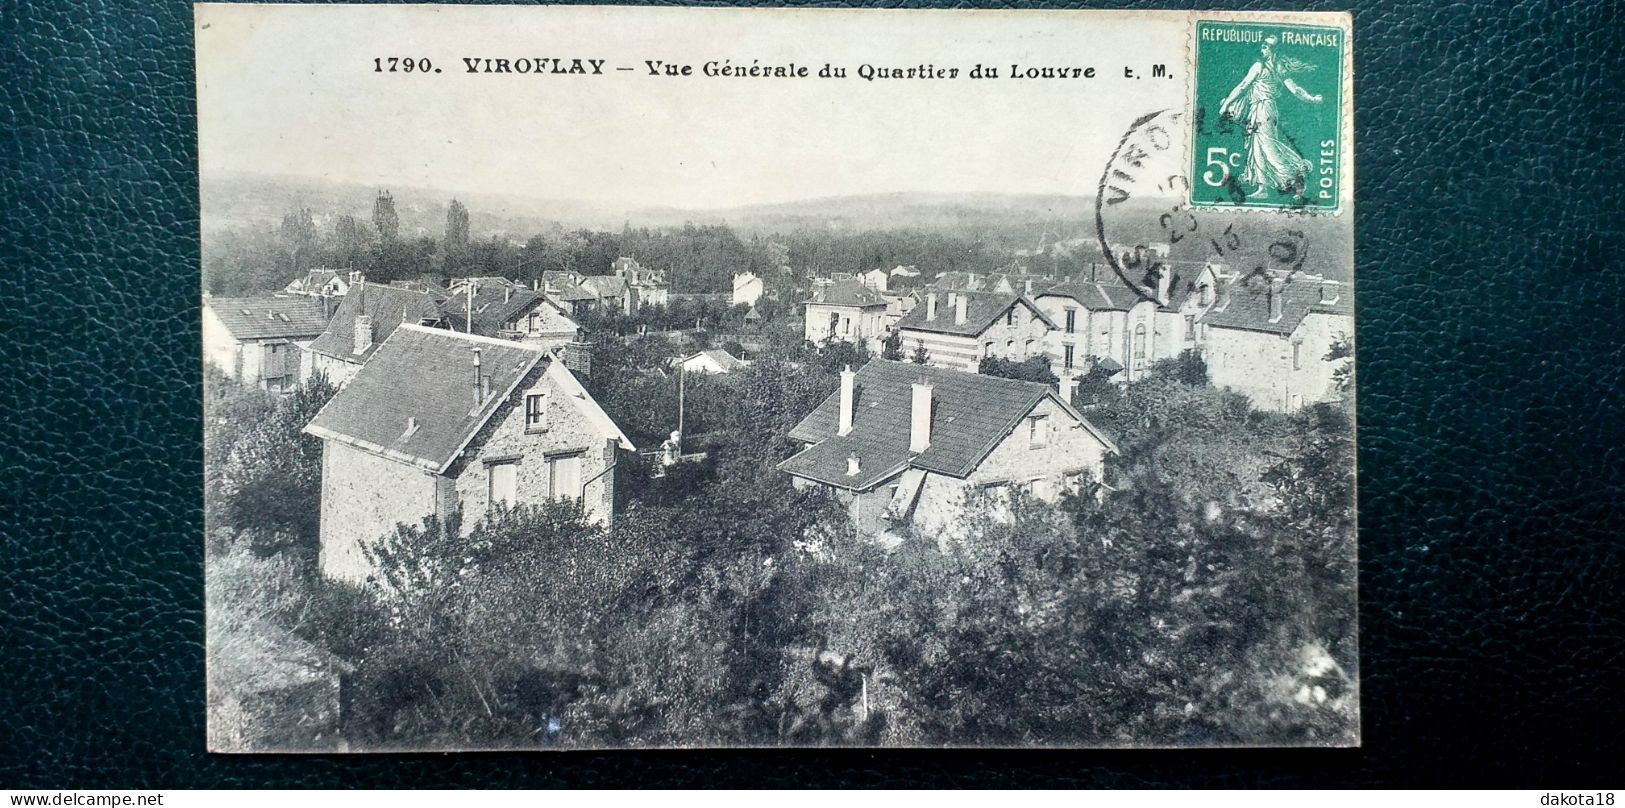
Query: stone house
column 258, row 341
column 1268, row 338
column 649, row 286
column 1114, row 325
column 610, row 293
column 901, row 444
column 960, row 329
column 439, row 422
column 509, row 311
column 845, row 311
column 363, row 321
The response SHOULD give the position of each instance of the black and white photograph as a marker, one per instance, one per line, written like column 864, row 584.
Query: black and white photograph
column 633, row 377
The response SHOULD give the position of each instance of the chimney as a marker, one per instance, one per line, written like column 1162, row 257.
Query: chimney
column 1276, row 289
column 355, row 277
column 363, row 334
column 507, row 293
column 1329, row 293
column 1029, row 285
column 853, row 466
column 1165, row 282
column 849, row 392
column 577, row 357
column 919, row 430
column 1067, row 386
column 479, row 381
column 930, row 306
column 959, row 310
column 411, row 427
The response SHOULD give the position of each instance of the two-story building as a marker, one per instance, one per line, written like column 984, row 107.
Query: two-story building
column 367, row 317
column 845, row 311
column 901, row 444
column 321, row 283
column 1119, row 327
column 509, row 311
column 960, row 329
column 258, row 340
column 439, row 422
column 1269, row 338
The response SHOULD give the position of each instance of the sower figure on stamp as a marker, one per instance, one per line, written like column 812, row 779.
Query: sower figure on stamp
column 1271, row 160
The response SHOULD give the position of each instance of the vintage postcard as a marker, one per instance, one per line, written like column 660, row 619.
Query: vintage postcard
column 609, row 377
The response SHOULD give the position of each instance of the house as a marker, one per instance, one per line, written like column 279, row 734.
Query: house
column 439, row 422
column 258, row 340
column 321, row 283
column 960, row 329
column 367, row 317
column 649, row 286
column 1113, row 326
column 899, row 302
column 747, row 289
column 1004, row 283
column 711, row 360
column 565, row 291
column 875, row 279
column 845, row 311
column 903, row 444
column 610, row 293
column 1268, row 337
column 509, row 311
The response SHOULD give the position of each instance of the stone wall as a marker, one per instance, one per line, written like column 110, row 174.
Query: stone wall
column 504, row 438
column 364, row 497
column 1260, row 365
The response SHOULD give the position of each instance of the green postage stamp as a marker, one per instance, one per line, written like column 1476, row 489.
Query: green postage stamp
column 1267, row 130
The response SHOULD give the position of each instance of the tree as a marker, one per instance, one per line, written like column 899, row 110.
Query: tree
column 892, row 347
column 1031, row 369
column 455, row 244
column 384, row 217
column 921, row 355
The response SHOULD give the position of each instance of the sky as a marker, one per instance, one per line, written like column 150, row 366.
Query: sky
column 291, row 90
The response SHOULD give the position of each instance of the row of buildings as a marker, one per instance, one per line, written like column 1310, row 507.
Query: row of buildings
column 1264, row 334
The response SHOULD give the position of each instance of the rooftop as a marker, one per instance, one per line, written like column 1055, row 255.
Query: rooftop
column 981, row 309
column 847, row 293
column 388, row 306
column 268, row 317
column 1248, row 305
column 971, row 414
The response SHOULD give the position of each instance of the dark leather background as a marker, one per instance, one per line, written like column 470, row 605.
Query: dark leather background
column 1491, row 436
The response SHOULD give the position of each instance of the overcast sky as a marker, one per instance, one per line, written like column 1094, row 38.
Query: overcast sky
column 291, row 90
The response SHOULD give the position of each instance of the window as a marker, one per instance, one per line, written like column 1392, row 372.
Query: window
column 535, row 412
column 564, row 476
column 1038, row 431
column 1010, row 349
column 987, row 350
column 1068, row 356
column 1027, row 349
column 503, row 479
column 1071, row 320
column 1010, row 316
column 1139, row 343
column 1190, row 328
column 1297, row 356
column 532, row 322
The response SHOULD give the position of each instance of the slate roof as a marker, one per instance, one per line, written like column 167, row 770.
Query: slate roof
column 388, row 306
column 604, row 285
column 847, row 293
column 313, row 280
column 1248, row 308
column 267, row 317
column 494, row 307
column 1096, row 296
column 981, row 309
column 971, row 414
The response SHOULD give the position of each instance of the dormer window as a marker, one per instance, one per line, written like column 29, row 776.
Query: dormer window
column 535, row 412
